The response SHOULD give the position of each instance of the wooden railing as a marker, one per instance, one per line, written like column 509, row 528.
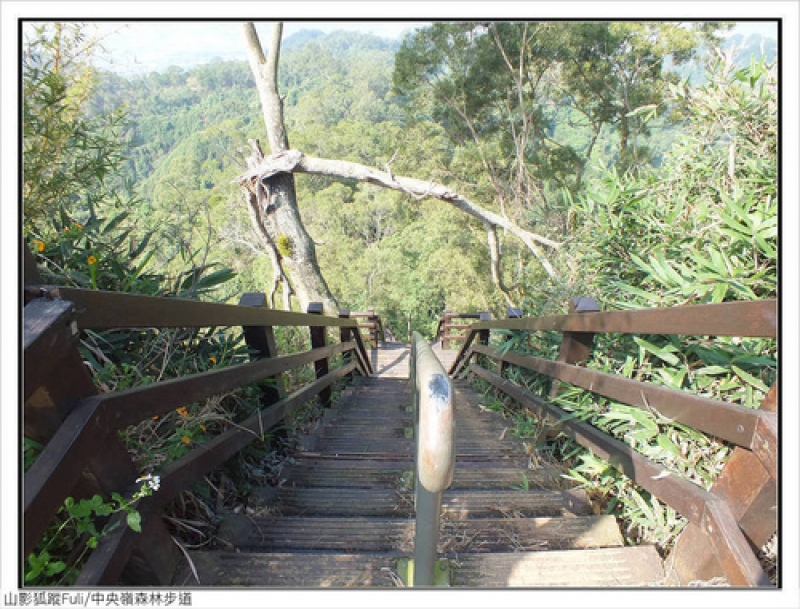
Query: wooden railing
column 739, row 512
column 452, row 330
column 370, row 325
column 78, row 426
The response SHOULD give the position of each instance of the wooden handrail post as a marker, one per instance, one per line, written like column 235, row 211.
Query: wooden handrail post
column 373, row 330
column 445, row 323
column 483, row 335
column 319, row 339
column 576, row 346
column 111, row 470
column 513, row 313
column 752, row 496
column 345, row 335
column 261, row 344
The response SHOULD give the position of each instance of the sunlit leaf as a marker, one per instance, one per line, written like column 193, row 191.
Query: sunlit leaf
column 750, row 379
column 664, row 353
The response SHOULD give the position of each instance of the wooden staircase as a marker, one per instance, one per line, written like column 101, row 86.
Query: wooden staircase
column 342, row 515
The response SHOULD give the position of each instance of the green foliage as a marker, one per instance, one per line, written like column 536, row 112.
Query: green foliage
column 97, row 253
column 703, row 228
column 285, row 246
column 505, row 90
column 700, row 228
column 645, row 518
column 81, row 524
column 68, row 153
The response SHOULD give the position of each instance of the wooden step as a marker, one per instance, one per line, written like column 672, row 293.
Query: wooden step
column 604, row 567
column 326, row 471
column 364, row 445
column 460, row 504
column 617, row 567
column 359, row 473
column 292, row 570
column 373, row 534
column 391, row 361
column 342, row 514
column 456, row 504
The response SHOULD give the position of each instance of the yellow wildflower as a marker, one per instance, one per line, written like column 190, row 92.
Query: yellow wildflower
column 202, row 427
column 39, row 245
column 212, row 359
column 182, row 411
column 79, row 226
column 92, row 260
column 155, row 418
column 186, row 440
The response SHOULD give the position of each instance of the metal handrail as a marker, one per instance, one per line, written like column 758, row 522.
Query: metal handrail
column 434, row 427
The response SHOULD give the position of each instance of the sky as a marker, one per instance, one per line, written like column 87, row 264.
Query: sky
column 140, row 47
column 144, row 46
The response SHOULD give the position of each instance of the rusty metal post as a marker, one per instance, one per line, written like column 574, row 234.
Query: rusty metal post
column 319, row 339
column 434, row 417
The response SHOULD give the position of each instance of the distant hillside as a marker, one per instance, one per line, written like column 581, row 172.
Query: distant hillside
column 753, row 45
column 300, row 39
column 745, row 49
column 340, row 41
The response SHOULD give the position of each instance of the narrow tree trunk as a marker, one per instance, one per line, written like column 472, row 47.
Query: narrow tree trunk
column 280, row 212
column 494, row 254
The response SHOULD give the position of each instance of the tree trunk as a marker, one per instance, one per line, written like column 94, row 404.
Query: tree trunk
column 276, row 193
column 494, row 254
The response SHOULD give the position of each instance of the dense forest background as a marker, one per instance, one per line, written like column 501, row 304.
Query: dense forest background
column 184, row 133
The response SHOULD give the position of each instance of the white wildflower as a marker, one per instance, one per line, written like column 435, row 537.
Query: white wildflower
column 153, row 482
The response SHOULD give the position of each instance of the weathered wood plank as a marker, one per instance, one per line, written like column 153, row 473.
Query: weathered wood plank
column 291, row 570
column 48, row 337
column 727, row 421
column 602, row 567
column 392, row 500
column 370, row 534
column 751, row 318
column 99, row 310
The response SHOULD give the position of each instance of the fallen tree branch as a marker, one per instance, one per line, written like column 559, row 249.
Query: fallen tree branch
column 295, row 161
